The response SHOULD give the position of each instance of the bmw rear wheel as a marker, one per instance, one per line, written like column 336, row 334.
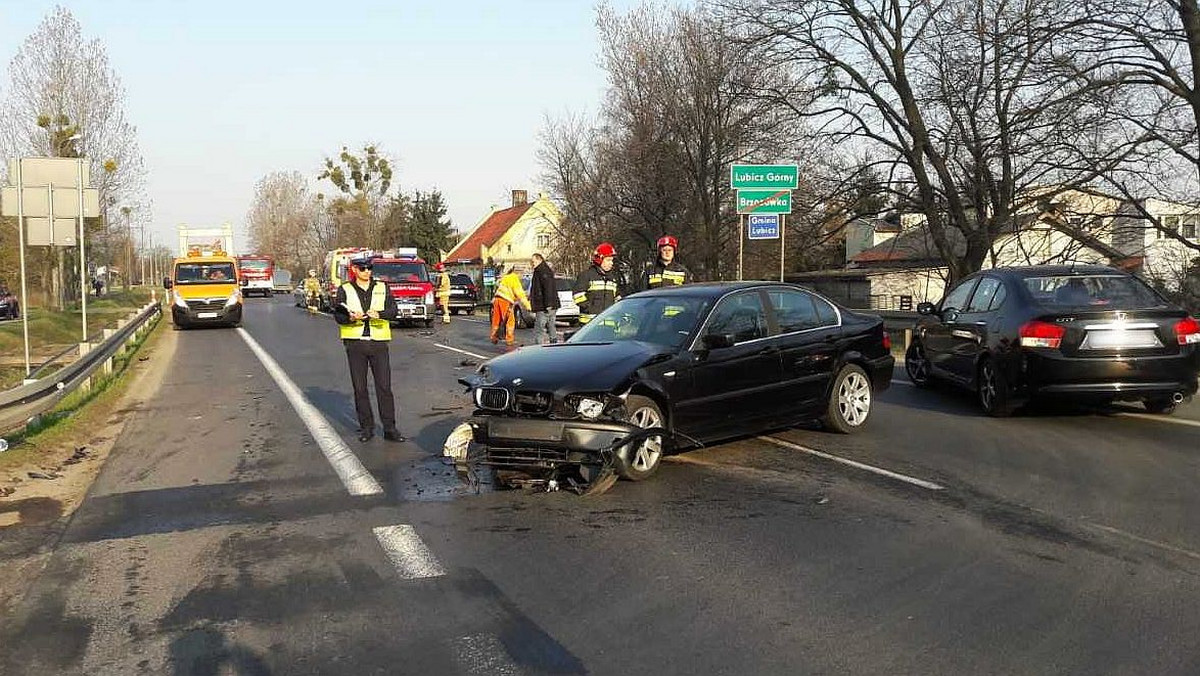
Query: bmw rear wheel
column 849, row 401
column 640, row 461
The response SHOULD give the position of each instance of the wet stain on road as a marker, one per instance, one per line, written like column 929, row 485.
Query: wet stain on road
column 30, row 511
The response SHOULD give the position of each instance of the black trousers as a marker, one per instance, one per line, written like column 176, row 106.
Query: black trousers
column 373, row 354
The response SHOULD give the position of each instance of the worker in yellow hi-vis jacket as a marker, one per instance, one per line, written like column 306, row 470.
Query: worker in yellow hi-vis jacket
column 509, row 292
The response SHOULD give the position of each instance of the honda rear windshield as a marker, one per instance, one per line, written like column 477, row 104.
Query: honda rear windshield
column 1092, row 292
column 401, row 272
column 204, row 273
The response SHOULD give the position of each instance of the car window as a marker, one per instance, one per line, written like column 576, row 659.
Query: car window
column 957, row 298
column 981, row 301
column 796, row 310
column 460, row 278
column 998, row 299
column 1092, row 292
column 741, row 316
column 661, row 320
column 563, row 283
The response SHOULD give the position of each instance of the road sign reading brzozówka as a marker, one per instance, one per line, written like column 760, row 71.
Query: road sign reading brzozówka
column 777, row 176
column 764, row 201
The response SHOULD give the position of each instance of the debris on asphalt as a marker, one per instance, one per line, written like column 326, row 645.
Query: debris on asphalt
column 468, row 362
column 3, row 445
column 42, row 475
column 821, row 500
column 453, row 407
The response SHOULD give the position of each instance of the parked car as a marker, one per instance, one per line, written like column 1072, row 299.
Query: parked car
column 10, row 307
column 1086, row 333
column 666, row 369
column 464, row 295
column 568, row 311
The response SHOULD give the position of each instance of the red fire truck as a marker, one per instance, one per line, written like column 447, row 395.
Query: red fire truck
column 257, row 274
column 408, row 279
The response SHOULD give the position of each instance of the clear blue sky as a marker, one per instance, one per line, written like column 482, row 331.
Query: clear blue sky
column 224, row 92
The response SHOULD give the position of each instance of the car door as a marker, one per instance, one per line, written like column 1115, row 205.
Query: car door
column 969, row 334
column 939, row 338
column 809, row 329
column 732, row 389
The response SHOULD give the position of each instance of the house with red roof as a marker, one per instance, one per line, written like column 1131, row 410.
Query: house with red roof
column 510, row 235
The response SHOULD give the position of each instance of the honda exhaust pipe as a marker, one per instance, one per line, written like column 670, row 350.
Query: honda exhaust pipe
column 1177, row 398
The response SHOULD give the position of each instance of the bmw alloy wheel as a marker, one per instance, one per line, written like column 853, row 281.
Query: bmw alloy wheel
column 854, row 398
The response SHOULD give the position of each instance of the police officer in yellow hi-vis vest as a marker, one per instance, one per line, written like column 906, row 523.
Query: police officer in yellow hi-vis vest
column 364, row 308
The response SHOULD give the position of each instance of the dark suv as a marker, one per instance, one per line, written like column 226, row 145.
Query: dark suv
column 464, row 295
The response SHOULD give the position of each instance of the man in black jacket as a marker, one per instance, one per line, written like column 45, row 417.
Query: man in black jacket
column 364, row 308
column 543, row 298
column 597, row 288
column 666, row 271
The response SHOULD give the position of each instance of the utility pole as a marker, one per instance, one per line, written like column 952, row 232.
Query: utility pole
column 128, row 249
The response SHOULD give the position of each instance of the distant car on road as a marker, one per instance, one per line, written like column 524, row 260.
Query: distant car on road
column 282, row 281
column 1086, row 332
column 696, row 363
column 464, row 295
column 568, row 311
column 10, row 307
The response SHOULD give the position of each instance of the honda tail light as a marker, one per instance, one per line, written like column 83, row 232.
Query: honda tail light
column 1042, row 334
column 1188, row 332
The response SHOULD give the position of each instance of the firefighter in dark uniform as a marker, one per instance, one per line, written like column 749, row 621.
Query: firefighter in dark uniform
column 364, row 309
column 666, row 271
column 596, row 289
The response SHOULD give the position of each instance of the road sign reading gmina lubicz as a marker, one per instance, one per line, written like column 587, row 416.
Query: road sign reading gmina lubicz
column 763, row 226
column 778, row 176
column 764, row 201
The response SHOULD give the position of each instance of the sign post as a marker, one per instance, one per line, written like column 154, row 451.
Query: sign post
column 764, row 195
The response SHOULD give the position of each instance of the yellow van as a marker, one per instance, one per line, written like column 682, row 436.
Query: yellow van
column 204, row 290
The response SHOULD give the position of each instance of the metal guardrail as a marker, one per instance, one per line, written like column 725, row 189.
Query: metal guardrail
column 22, row 403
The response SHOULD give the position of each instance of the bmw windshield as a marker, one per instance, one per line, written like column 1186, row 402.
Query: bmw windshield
column 661, row 320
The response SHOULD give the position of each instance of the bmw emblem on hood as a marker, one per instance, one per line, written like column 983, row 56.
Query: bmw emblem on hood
column 517, row 381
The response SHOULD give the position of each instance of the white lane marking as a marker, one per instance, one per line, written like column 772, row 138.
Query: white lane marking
column 460, row 351
column 1146, row 541
column 470, row 319
column 1161, row 418
column 857, row 465
column 483, row 654
column 407, row 552
column 354, row 476
column 898, row 381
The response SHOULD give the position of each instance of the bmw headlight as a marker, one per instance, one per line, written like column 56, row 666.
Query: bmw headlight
column 590, row 408
column 234, row 298
column 459, row 442
column 179, row 301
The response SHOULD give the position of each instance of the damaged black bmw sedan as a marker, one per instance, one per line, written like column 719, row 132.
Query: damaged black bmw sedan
column 665, row 370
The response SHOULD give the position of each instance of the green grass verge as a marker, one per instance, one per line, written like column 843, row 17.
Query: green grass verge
column 81, row 409
column 50, row 331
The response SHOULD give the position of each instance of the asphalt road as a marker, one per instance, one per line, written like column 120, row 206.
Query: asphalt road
column 218, row 539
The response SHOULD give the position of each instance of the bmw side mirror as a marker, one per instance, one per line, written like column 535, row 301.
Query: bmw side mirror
column 926, row 308
column 717, row 341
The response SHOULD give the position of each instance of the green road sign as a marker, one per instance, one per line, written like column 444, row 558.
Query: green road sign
column 778, row 176
column 764, row 201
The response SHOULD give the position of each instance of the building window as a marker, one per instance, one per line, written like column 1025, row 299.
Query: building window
column 543, row 241
column 1189, row 227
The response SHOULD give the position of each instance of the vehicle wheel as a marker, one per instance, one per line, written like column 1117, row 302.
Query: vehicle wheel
column 992, row 388
column 1159, row 405
column 470, row 310
column 453, row 311
column 849, row 401
column 916, row 365
column 643, row 458
column 428, row 323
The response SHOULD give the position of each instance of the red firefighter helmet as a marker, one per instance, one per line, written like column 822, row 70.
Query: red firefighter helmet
column 603, row 250
column 668, row 240
column 440, row 267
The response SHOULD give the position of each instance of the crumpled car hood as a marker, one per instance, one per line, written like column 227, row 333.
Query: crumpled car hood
column 568, row 367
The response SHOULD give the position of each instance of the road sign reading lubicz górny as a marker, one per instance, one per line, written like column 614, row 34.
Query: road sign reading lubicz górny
column 777, row 176
column 763, row 226
column 764, row 201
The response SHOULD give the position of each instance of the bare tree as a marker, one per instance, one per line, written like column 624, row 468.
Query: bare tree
column 965, row 105
column 64, row 99
column 282, row 220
